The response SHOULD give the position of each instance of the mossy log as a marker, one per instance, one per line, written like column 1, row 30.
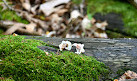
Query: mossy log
column 118, row 54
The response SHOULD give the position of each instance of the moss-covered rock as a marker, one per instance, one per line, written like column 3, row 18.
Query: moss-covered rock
column 22, row 60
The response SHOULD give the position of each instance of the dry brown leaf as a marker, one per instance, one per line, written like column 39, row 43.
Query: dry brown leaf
column 26, row 4
column 55, row 18
column 98, row 29
column 30, row 18
column 40, row 30
column 101, row 25
column 86, row 23
column 100, row 35
column 13, row 28
column 128, row 75
column 61, row 12
column 75, row 14
column 55, row 22
column 72, row 36
column 49, row 7
column 14, row 34
column 33, row 9
column 93, row 21
column 55, row 26
column 31, row 27
column 17, row 6
column 38, row 1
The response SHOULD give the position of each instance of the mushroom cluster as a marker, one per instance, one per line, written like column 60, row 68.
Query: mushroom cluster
column 67, row 45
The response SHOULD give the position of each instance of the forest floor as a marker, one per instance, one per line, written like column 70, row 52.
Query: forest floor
column 123, row 8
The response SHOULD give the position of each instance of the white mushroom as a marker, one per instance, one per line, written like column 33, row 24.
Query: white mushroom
column 79, row 48
column 65, row 45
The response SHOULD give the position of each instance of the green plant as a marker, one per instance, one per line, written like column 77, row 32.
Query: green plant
column 22, row 60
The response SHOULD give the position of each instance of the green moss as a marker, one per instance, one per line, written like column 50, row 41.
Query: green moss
column 7, row 79
column 112, row 34
column 1, row 31
column 11, row 15
column 22, row 60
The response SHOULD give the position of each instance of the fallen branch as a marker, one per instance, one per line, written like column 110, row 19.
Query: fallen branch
column 10, row 8
column 13, row 26
column 30, row 18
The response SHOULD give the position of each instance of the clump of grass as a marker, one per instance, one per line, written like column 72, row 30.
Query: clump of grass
column 22, row 60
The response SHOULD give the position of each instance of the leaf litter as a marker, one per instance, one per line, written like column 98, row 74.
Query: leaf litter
column 53, row 18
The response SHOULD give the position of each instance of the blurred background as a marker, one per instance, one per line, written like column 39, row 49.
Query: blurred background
column 69, row 18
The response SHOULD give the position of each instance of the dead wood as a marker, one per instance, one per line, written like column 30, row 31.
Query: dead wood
column 13, row 26
column 10, row 8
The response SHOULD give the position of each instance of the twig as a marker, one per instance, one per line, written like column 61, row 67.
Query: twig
column 82, row 5
column 10, row 8
column 7, row 25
